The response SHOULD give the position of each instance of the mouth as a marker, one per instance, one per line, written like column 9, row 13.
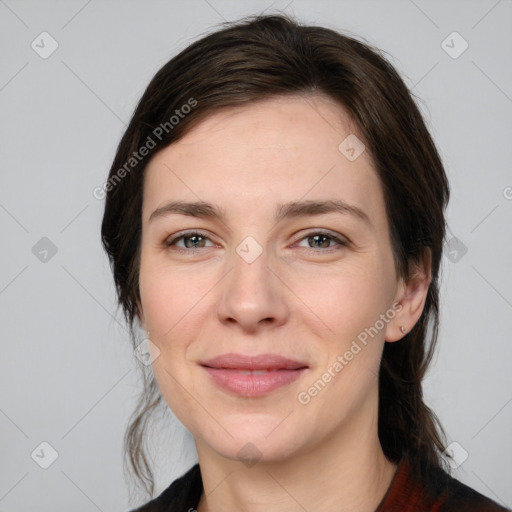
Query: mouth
column 250, row 372
column 253, row 376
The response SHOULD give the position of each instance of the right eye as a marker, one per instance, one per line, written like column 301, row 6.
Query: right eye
column 192, row 241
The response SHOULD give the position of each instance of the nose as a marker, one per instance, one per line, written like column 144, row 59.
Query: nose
column 252, row 295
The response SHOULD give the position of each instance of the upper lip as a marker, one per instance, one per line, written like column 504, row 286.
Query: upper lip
column 257, row 362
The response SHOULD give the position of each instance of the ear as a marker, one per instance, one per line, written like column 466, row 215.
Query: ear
column 411, row 296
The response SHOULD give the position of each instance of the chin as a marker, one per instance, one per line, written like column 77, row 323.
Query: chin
column 255, row 451
column 254, row 440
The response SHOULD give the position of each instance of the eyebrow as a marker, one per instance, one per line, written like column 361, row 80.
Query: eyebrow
column 293, row 209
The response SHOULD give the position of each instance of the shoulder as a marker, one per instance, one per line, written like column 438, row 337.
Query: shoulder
column 458, row 497
column 182, row 495
column 421, row 489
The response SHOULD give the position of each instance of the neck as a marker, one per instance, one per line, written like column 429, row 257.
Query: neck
column 346, row 472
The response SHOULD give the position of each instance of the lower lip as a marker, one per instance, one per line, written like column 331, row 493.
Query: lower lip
column 253, row 385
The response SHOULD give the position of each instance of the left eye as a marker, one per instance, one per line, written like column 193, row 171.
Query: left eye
column 321, row 241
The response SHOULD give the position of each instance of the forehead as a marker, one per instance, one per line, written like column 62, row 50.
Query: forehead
column 276, row 122
column 272, row 151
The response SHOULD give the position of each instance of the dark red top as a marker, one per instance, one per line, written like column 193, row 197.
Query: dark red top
column 433, row 491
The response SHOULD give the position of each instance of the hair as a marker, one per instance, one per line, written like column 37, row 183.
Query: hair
column 274, row 55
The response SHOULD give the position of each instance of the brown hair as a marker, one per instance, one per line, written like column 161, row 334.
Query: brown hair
column 274, row 55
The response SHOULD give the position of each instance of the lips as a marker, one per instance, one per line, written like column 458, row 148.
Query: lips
column 269, row 362
column 253, row 376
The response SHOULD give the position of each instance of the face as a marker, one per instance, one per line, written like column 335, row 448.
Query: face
column 265, row 270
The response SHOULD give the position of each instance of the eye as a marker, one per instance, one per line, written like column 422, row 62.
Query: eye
column 322, row 240
column 191, row 240
column 317, row 241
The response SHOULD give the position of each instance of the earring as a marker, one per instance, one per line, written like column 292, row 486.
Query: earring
column 402, row 329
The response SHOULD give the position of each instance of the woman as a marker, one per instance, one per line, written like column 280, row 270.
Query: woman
column 275, row 220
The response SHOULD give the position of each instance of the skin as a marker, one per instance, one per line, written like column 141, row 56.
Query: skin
column 299, row 298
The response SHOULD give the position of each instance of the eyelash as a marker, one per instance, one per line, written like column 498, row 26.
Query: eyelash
column 172, row 242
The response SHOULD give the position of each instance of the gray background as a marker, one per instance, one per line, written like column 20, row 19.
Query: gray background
column 68, row 376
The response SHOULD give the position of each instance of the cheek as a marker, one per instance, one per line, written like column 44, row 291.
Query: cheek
column 350, row 304
column 174, row 302
column 169, row 301
column 349, row 299
column 168, row 296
